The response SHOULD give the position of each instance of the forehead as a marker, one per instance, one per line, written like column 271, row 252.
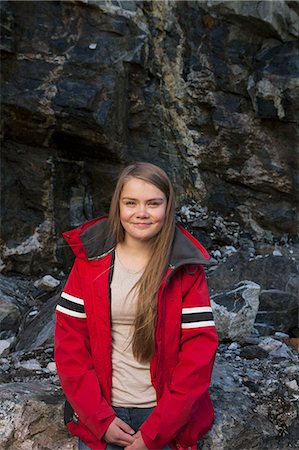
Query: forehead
column 136, row 188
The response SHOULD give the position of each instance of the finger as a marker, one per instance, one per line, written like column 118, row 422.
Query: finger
column 123, row 443
column 120, row 442
column 129, row 447
column 134, row 445
column 124, row 437
column 138, row 433
column 125, row 427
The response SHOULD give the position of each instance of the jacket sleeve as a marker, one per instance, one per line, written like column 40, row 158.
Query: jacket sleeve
column 192, row 374
column 74, row 362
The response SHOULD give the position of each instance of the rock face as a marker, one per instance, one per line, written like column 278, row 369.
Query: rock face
column 208, row 90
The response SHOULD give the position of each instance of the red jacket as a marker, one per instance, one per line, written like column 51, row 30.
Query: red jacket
column 186, row 343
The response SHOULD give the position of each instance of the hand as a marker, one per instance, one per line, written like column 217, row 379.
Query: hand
column 138, row 443
column 119, row 433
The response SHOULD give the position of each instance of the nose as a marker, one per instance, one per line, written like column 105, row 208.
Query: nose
column 141, row 211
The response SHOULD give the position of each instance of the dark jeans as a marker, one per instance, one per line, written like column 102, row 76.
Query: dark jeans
column 133, row 417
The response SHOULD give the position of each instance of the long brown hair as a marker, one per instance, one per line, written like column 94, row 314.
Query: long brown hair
column 143, row 339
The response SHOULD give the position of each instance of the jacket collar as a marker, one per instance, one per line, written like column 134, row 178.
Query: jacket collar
column 93, row 240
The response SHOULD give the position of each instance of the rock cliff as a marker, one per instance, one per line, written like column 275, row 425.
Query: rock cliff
column 206, row 89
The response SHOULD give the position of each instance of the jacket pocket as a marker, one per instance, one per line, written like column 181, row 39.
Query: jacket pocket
column 78, row 429
column 199, row 425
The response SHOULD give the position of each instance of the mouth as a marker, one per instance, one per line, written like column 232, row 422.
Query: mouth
column 141, row 224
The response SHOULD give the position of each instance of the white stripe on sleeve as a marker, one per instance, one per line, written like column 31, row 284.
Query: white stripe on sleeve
column 199, row 309
column 208, row 323
column 69, row 312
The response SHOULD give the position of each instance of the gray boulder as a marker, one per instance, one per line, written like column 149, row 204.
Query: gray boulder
column 278, row 278
column 13, row 302
column 235, row 311
column 32, row 417
column 38, row 331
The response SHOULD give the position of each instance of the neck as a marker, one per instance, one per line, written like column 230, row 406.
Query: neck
column 134, row 254
column 136, row 246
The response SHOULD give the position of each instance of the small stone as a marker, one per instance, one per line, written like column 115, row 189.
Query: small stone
column 216, row 254
column 49, row 350
column 269, row 344
column 128, row 5
column 253, row 351
column 284, row 239
column 280, row 335
column 253, row 339
column 30, row 364
column 254, row 374
column 233, row 346
column 4, row 345
column 92, row 46
column 292, row 385
column 200, row 223
column 6, row 334
column 51, row 366
column 186, row 212
column 294, row 369
column 3, row 361
column 47, row 283
column 275, row 348
column 277, row 253
column 229, row 250
column 4, row 367
column 281, row 352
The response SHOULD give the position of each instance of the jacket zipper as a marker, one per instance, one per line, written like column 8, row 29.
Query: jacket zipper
column 161, row 331
column 111, row 269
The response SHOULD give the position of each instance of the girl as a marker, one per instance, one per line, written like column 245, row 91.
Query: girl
column 135, row 340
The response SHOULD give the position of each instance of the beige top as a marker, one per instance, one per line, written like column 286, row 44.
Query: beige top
column 131, row 382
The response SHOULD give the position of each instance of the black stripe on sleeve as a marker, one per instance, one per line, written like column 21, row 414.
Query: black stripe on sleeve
column 197, row 317
column 71, row 305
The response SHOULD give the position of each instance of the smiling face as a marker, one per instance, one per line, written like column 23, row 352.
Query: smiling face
column 142, row 208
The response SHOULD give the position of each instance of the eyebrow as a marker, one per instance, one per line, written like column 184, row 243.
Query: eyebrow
column 149, row 200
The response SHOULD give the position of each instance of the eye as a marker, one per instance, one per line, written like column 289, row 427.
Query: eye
column 129, row 203
column 154, row 203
